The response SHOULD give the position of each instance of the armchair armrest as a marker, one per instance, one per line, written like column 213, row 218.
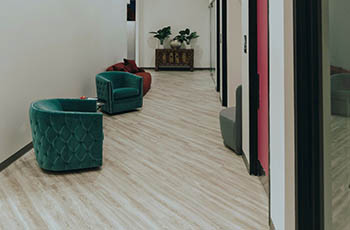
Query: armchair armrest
column 134, row 81
column 104, row 88
column 78, row 105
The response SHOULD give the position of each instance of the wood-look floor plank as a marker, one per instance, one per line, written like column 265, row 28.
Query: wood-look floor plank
column 165, row 167
column 340, row 172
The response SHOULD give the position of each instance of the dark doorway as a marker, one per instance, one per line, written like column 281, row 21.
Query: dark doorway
column 131, row 30
column 131, row 12
column 250, row 84
column 253, row 87
column 224, row 53
column 218, row 38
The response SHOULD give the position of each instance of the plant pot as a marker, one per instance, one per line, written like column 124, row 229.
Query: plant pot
column 160, row 45
column 188, row 46
column 175, row 44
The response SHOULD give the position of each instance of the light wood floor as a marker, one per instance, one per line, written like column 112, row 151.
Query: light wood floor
column 165, row 167
column 340, row 172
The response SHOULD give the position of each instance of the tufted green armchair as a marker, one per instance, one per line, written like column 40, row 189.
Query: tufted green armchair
column 120, row 91
column 67, row 134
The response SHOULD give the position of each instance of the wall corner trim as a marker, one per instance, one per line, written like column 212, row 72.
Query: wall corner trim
column 16, row 156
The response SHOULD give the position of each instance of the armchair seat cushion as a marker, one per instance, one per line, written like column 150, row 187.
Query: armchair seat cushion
column 123, row 93
column 229, row 114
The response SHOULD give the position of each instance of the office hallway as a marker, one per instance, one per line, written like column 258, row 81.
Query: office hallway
column 165, row 167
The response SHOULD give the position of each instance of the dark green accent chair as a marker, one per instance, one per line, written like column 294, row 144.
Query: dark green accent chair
column 231, row 124
column 120, row 91
column 340, row 85
column 67, row 134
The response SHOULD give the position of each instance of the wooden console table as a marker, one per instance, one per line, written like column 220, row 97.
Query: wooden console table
column 174, row 58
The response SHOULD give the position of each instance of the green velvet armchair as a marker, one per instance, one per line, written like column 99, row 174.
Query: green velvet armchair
column 120, row 91
column 67, row 134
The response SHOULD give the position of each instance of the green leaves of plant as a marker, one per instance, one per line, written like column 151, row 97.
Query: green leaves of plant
column 192, row 36
column 185, row 32
column 183, row 36
column 162, row 34
column 186, row 36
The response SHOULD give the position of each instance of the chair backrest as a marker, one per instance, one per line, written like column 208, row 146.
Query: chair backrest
column 239, row 116
column 112, row 75
column 117, row 78
column 340, row 81
column 48, row 105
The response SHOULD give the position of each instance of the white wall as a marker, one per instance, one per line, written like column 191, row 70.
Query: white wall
column 221, row 63
column 245, row 81
column 131, row 39
column 277, row 159
column 180, row 14
column 52, row 48
column 213, row 40
column 235, row 49
column 282, row 115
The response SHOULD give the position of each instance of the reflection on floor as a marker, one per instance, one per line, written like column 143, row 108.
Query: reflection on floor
column 165, row 167
column 340, row 172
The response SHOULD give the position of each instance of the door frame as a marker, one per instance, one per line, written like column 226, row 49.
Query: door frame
column 253, row 164
column 218, row 53
column 308, row 86
column 224, row 52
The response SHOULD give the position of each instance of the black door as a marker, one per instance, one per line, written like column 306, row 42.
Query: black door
column 224, row 52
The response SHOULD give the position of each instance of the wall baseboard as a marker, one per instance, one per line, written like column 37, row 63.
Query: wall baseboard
column 16, row 156
column 265, row 182
column 246, row 162
column 264, row 179
column 170, row 69
column 272, row 226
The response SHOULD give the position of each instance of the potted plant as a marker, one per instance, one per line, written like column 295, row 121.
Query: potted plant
column 189, row 38
column 162, row 34
column 180, row 39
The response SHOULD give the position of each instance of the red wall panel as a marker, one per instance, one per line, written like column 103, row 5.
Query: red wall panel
column 263, row 71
